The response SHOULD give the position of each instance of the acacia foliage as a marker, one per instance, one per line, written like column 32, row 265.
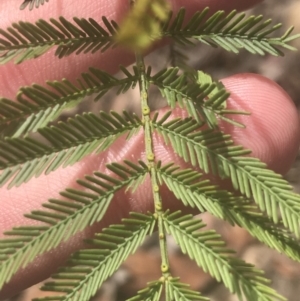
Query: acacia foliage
column 265, row 204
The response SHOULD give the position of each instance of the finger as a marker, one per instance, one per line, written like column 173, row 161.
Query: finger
column 272, row 131
column 272, row 125
column 47, row 67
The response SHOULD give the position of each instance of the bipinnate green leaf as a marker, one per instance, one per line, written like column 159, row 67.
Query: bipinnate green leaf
column 189, row 187
column 36, row 106
column 209, row 252
column 66, row 143
column 65, row 217
column 273, row 219
column 198, row 94
column 24, row 40
column 246, row 215
column 151, row 292
column 216, row 101
column 22, row 126
column 179, row 291
column 87, row 269
column 231, row 31
column 178, row 89
column 214, row 152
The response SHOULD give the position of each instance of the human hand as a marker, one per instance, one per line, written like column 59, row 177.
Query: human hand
column 272, row 131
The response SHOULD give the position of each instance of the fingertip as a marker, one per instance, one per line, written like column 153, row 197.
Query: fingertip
column 272, row 131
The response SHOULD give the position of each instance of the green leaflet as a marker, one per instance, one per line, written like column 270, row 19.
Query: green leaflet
column 66, row 217
column 203, row 99
column 67, row 143
column 230, row 31
column 24, row 40
column 215, row 152
column 209, row 252
column 21, row 126
column 88, row 269
column 151, row 293
column 178, row 291
column 174, row 290
column 188, row 186
column 32, row 3
column 40, row 105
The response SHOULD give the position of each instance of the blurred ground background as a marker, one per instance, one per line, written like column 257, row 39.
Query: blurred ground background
column 144, row 265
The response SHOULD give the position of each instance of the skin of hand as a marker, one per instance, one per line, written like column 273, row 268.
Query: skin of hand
column 272, row 129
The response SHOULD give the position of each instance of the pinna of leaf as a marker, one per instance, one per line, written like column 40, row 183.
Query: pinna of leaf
column 196, row 138
column 32, row 3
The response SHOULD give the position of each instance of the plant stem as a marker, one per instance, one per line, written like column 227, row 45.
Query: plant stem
column 148, row 134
